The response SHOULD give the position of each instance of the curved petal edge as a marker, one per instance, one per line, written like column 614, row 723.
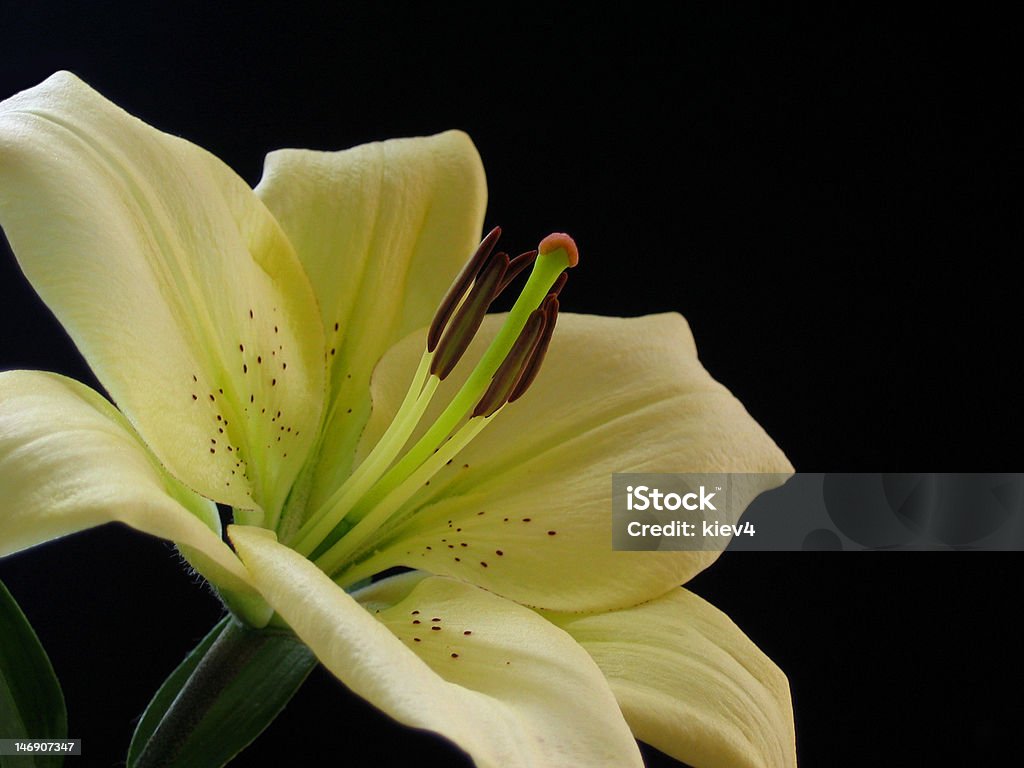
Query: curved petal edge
column 691, row 683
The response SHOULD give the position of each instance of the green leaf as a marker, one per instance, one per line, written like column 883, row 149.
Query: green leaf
column 220, row 698
column 31, row 702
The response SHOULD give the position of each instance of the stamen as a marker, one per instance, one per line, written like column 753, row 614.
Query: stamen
column 481, row 278
column 467, row 320
column 379, row 495
column 546, row 270
column 371, row 527
column 506, row 378
column 318, row 527
column 459, row 287
column 559, row 285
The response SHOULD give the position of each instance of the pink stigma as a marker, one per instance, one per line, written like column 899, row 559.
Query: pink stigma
column 557, row 240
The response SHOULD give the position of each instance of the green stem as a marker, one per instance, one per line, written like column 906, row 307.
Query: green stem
column 235, row 647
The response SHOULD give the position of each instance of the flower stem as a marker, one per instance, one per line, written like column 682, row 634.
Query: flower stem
column 227, row 659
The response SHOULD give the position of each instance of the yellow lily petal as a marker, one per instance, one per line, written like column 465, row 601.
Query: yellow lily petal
column 381, row 230
column 495, row 678
column 691, row 683
column 525, row 509
column 174, row 281
column 69, row 461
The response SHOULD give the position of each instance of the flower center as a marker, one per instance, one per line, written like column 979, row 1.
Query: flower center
column 372, row 502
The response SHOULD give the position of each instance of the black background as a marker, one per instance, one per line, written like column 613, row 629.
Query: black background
column 833, row 201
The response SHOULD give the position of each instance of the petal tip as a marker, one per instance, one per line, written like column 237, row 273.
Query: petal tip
column 237, row 531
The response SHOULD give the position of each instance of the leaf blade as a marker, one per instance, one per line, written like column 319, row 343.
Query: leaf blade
column 31, row 701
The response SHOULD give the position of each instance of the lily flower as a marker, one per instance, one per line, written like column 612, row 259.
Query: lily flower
column 309, row 354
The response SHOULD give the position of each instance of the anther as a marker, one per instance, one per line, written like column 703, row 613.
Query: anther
column 505, row 379
column 459, row 287
column 517, row 265
column 532, row 367
column 559, row 284
column 467, row 320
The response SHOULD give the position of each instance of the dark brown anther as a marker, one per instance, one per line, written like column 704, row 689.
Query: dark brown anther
column 506, row 378
column 532, row 368
column 559, row 284
column 459, row 287
column 517, row 265
column 467, row 320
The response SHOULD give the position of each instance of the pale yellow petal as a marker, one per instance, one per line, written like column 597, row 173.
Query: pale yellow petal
column 381, row 229
column 501, row 682
column 691, row 683
column 525, row 509
column 174, row 281
column 70, row 461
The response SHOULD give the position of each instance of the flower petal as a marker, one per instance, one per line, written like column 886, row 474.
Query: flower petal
column 381, row 230
column 691, row 683
column 174, row 281
column 525, row 509
column 69, row 461
column 494, row 677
